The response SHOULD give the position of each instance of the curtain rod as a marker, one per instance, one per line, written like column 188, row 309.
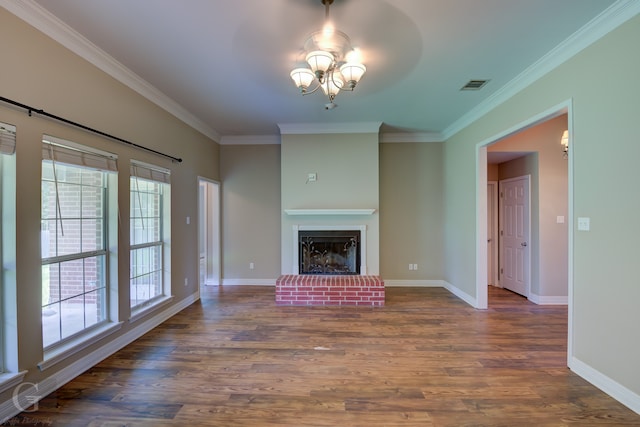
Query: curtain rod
column 87, row 128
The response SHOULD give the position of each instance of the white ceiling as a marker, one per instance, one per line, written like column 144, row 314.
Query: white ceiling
column 227, row 63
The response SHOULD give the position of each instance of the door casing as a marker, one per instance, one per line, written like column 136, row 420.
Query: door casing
column 209, row 231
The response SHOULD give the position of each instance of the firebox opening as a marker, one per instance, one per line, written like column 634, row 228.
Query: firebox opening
column 329, row 252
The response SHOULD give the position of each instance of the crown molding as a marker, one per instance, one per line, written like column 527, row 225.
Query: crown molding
column 325, row 128
column 406, row 137
column 611, row 18
column 41, row 19
column 250, row 140
column 386, row 137
column 329, row 212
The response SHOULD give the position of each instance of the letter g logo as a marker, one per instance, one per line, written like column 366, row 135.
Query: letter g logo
column 31, row 399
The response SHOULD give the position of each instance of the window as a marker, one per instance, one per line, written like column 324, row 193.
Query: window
column 149, row 222
column 8, row 332
column 74, row 238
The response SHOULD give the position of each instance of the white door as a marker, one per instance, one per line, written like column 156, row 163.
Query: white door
column 514, row 235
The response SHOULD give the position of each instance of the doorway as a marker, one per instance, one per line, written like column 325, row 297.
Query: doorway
column 492, row 234
column 545, row 219
column 209, row 231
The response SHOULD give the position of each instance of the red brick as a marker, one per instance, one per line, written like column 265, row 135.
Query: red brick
column 329, row 290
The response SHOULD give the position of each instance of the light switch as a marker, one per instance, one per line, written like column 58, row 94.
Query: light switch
column 560, row 219
column 584, row 223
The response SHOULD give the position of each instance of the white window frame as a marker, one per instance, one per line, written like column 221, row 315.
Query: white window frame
column 141, row 171
column 77, row 155
column 10, row 376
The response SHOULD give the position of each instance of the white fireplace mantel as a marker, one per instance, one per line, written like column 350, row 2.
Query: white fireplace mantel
column 329, row 211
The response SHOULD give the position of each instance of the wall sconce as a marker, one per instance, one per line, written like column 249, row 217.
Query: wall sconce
column 564, row 141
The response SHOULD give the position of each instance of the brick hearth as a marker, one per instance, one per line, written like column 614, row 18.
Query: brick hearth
column 294, row 289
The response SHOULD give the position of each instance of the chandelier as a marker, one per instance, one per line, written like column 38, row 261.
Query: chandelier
column 333, row 64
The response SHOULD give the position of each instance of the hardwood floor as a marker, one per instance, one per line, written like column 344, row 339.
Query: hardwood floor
column 424, row 359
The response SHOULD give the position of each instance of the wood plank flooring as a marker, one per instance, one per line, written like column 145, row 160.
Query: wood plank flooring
column 424, row 359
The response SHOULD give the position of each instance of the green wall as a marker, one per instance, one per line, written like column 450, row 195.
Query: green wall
column 251, row 213
column 410, row 200
column 347, row 168
column 411, row 212
column 601, row 82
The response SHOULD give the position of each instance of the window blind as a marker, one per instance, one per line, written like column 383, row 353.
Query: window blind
column 7, row 139
column 73, row 154
column 150, row 172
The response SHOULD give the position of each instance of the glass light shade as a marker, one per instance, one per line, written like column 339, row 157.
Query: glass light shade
column 332, row 84
column 319, row 60
column 302, row 77
column 565, row 139
column 328, row 40
column 352, row 72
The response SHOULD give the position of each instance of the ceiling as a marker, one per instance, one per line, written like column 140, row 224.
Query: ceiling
column 225, row 64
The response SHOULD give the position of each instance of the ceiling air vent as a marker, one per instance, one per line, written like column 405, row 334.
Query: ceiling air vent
column 474, row 84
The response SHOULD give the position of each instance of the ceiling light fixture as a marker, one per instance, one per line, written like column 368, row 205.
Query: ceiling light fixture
column 333, row 64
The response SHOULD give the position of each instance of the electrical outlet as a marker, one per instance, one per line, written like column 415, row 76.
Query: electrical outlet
column 312, row 177
column 251, row 266
column 411, row 267
column 186, row 281
column 188, row 220
column 415, row 267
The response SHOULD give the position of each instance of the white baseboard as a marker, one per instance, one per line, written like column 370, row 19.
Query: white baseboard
column 413, row 283
column 248, row 282
column 29, row 393
column 387, row 283
column 606, row 384
column 548, row 300
column 460, row 294
column 433, row 284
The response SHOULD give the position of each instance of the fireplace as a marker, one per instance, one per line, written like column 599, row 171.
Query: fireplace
column 344, row 248
column 335, row 272
column 329, row 252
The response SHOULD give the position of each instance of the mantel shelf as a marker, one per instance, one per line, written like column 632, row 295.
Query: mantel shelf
column 329, row 211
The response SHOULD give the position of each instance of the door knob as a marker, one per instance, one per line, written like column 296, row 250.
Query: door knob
column 523, row 244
